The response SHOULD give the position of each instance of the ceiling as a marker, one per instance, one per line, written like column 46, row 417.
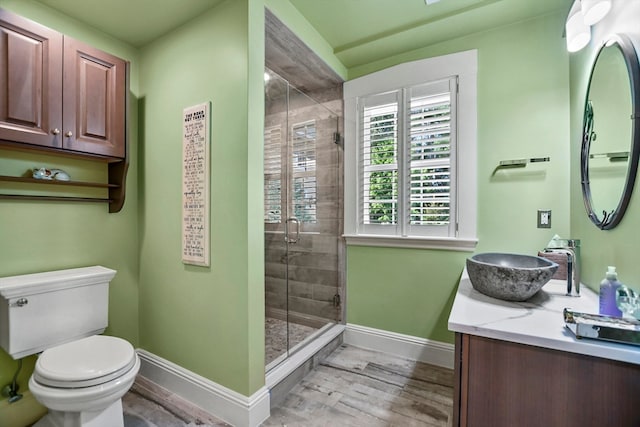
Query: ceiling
column 360, row 31
column 136, row 22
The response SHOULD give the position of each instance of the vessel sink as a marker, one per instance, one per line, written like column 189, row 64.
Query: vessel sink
column 509, row 277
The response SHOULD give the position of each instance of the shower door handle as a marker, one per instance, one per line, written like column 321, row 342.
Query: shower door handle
column 292, row 220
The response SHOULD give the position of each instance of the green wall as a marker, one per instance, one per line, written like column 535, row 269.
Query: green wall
column 49, row 236
column 255, row 197
column 208, row 320
column 620, row 246
column 523, row 111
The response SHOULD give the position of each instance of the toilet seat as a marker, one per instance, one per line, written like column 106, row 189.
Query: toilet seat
column 86, row 362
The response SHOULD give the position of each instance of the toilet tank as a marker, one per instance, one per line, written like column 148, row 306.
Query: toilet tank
column 42, row 310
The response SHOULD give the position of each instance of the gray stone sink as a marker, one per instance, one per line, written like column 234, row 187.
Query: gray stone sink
column 509, row 277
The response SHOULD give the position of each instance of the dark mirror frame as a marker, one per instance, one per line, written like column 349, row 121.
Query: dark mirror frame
column 609, row 220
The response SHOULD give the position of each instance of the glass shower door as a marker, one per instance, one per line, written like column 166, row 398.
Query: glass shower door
column 275, row 217
column 303, row 209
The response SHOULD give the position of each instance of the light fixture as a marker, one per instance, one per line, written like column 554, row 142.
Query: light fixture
column 582, row 15
column 578, row 33
column 428, row 2
column 594, row 10
column 267, row 77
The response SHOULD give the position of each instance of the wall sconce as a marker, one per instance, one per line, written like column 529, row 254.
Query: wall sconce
column 594, row 10
column 582, row 15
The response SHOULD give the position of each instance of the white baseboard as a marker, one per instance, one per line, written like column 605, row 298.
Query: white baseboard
column 224, row 403
column 407, row 346
column 243, row 411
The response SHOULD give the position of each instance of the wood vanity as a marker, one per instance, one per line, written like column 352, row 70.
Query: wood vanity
column 517, row 365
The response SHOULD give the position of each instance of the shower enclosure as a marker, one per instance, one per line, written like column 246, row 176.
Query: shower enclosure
column 302, row 216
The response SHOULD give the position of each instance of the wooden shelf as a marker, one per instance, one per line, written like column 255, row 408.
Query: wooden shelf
column 29, row 180
column 115, row 185
column 55, row 198
column 57, row 182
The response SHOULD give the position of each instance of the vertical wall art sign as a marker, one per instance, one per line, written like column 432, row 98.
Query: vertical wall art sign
column 195, row 185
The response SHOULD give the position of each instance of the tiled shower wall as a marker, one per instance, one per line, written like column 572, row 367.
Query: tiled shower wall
column 316, row 261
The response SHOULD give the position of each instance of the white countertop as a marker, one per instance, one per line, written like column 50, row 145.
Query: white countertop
column 538, row 321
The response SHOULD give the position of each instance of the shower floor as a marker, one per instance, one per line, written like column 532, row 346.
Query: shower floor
column 276, row 337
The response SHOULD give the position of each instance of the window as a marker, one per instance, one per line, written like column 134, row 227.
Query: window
column 272, row 175
column 379, row 154
column 411, row 144
column 405, row 154
column 304, row 171
column 301, row 198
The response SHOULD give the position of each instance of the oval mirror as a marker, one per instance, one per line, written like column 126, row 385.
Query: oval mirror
column 611, row 132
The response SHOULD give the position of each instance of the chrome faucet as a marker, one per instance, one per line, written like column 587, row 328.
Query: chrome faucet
column 571, row 248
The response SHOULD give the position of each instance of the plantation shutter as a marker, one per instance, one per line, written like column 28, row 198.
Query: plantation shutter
column 378, row 163
column 406, row 161
column 429, row 167
column 272, row 175
column 304, row 190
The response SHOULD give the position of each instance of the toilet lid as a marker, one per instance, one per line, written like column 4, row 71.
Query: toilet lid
column 86, row 362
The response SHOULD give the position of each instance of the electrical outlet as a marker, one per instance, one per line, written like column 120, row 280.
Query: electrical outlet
column 544, row 219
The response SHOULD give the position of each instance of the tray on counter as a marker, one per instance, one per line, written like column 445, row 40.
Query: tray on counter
column 607, row 328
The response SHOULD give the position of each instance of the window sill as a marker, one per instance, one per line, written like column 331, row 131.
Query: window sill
column 440, row 243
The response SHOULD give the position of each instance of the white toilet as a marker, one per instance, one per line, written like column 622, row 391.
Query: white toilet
column 80, row 376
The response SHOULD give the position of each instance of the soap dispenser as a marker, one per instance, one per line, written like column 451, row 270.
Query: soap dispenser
column 608, row 288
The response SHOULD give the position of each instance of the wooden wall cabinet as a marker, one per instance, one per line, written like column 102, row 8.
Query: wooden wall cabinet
column 504, row 384
column 93, row 99
column 61, row 95
column 30, row 82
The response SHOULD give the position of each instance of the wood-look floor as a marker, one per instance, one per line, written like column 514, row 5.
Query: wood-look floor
column 357, row 387
column 352, row 387
column 147, row 404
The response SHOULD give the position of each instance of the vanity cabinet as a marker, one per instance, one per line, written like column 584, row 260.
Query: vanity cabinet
column 61, row 96
column 501, row 383
column 59, row 92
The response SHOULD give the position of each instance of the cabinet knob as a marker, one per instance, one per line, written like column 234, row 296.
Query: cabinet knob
column 69, row 134
column 55, row 131
column 20, row 303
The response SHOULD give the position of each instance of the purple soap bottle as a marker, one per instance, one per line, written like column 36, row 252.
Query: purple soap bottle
column 608, row 288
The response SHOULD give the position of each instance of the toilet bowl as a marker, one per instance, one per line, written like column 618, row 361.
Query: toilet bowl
column 80, row 375
column 82, row 382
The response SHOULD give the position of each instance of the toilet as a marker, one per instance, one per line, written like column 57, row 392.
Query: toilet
column 80, row 376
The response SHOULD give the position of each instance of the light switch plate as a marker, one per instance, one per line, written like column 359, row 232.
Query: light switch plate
column 544, row 219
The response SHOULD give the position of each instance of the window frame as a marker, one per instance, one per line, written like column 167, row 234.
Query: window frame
column 461, row 66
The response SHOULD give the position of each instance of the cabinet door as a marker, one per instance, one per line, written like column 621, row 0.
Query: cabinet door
column 508, row 384
column 30, row 82
column 94, row 100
